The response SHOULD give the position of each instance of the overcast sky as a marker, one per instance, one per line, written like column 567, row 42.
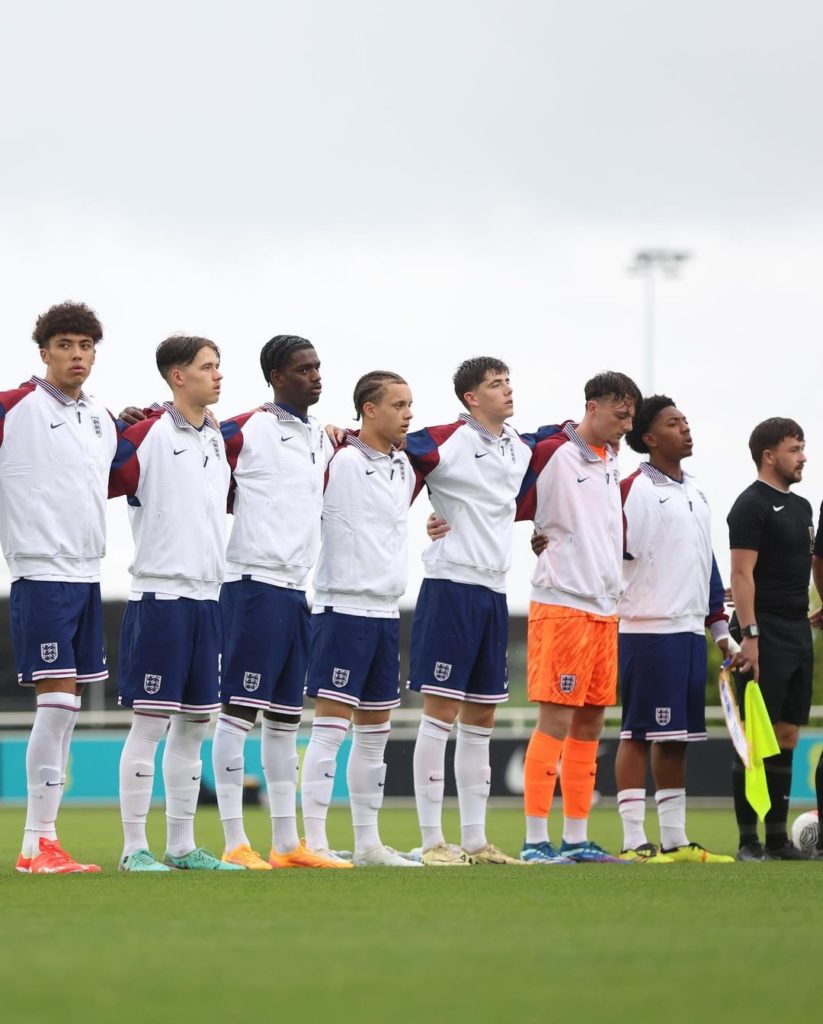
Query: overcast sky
column 410, row 185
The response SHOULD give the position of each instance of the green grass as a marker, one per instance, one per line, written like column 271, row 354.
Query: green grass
column 676, row 943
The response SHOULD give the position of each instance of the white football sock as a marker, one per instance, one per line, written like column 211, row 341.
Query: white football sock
column 366, row 774
column 280, row 766
column 229, row 769
column 182, row 768
column 319, row 767
column 55, row 714
column 137, row 777
column 473, row 776
column 671, row 813
column 631, row 804
column 575, row 830
column 429, row 775
column 537, row 829
column 67, row 735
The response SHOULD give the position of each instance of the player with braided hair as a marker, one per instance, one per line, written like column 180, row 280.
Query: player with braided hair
column 673, row 593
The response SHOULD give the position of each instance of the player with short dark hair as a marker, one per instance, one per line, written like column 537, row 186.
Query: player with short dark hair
column 172, row 467
column 572, row 494
column 56, row 447
column 771, row 536
column 278, row 455
column 673, row 593
column 473, row 470
column 355, row 643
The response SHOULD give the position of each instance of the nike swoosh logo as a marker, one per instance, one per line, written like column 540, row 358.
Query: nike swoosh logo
column 54, row 426
column 180, row 452
column 480, row 455
column 370, row 471
column 195, row 778
column 663, row 500
column 778, row 508
column 328, row 776
column 580, row 479
column 54, row 783
column 143, row 775
column 240, row 769
column 381, row 784
column 286, row 437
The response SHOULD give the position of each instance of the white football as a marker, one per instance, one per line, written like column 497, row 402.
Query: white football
column 805, row 831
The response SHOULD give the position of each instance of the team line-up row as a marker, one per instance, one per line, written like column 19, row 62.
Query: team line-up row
column 625, row 579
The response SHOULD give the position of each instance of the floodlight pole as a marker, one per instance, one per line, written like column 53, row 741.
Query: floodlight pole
column 646, row 263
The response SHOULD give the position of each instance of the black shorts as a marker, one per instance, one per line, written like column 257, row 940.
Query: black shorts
column 786, row 667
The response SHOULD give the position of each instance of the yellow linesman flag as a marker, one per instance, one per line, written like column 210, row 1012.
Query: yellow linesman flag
column 762, row 743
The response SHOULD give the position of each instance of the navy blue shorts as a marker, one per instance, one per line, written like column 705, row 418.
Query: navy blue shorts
column 459, row 641
column 57, row 631
column 170, row 655
column 266, row 631
column 355, row 660
column 663, row 686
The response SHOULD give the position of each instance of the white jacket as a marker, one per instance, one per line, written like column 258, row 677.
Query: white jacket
column 278, row 464
column 55, row 455
column 573, row 496
column 363, row 564
column 176, row 479
column 672, row 581
column 473, row 478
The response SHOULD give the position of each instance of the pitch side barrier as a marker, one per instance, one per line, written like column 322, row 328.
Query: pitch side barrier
column 99, row 737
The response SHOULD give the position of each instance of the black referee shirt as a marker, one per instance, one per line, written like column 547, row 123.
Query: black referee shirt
column 778, row 526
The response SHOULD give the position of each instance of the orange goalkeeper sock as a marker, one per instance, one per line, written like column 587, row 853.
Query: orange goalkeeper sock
column 540, row 773
column 579, row 769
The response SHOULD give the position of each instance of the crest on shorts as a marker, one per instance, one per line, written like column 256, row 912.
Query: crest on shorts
column 48, row 652
column 95, row 422
column 567, row 683
column 251, row 681
column 151, row 684
column 442, row 671
column 662, row 715
column 340, row 677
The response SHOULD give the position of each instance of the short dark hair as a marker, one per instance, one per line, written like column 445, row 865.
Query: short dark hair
column 471, row 373
column 371, row 386
column 643, row 420
column 614, row 385
column 180, row 350
column 769, row 434
column 277, row 352
column 67, row 318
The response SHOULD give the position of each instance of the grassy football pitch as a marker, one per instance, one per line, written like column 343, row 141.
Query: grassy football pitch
column 674, row 943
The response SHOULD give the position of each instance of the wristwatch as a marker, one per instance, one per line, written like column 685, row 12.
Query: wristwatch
column 750, row 630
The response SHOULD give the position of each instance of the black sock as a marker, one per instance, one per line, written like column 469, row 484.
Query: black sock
column 818, row 785
column 779, row 781
column 743, row 811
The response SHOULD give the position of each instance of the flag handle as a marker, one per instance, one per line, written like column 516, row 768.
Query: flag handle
column 731, row 713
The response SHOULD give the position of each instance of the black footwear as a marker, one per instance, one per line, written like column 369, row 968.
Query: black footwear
column 752, row 851
column 786, row 852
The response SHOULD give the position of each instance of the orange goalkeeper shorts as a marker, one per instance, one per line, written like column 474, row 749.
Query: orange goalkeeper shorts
column 572, row 656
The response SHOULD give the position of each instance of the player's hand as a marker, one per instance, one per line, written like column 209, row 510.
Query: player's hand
column 131, row 415
column 732, row 657
column 539, row 543
column 436, row 528
column 816, row 619
column 728, row 598
column 337, row 435
column 749, row 656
